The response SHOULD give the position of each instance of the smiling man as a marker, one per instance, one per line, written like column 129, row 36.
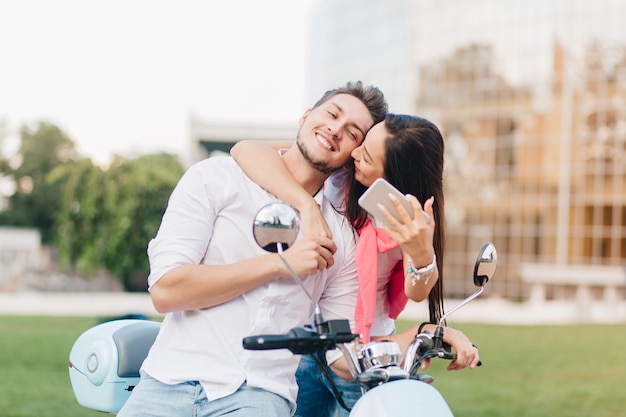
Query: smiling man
column 217, row 286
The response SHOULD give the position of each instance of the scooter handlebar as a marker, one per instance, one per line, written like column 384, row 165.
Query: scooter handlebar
column 300, row 341
column 426, row 346
column 305, row 340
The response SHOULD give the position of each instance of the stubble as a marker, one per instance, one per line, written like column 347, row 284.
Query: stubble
column 320, row 166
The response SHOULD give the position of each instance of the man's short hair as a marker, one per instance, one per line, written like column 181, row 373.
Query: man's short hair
column 370, row 95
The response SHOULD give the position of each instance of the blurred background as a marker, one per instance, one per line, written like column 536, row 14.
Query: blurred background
column 530, row 96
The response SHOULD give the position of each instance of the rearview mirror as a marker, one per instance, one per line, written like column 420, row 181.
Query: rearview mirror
column 486, row 263
column 276, row 223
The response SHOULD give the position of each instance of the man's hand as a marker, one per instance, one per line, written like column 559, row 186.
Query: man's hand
column 310, row 254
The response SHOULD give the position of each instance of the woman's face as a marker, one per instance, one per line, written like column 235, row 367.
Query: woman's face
column 369, row 158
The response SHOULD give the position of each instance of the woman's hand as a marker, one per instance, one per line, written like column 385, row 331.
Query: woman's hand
column 312, row 221
column 414, row 236
column 466, row 353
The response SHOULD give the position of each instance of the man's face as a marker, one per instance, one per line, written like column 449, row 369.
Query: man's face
column 330, row 132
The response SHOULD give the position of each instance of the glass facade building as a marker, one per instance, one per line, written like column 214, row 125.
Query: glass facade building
column 531, row 98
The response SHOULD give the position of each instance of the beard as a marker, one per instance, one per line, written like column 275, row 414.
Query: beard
column 320, row 166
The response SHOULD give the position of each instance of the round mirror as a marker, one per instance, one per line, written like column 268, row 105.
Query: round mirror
column 276, row 223
column 485, row 264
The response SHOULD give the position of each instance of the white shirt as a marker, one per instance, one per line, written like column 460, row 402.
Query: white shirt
column 209, row 221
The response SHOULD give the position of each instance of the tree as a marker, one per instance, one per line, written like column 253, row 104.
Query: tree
column 108, row 217
column 136, row 192
column 80, row 218
column 35, row 201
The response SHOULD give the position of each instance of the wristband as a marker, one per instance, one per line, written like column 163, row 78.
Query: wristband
column 423, row 273
column 421, row 326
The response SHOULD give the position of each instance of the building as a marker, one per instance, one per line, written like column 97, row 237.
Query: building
column 531, row 98
column 20, row 256
column 209, row 139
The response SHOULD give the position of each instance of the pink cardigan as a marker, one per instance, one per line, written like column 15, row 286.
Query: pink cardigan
column 373, row 241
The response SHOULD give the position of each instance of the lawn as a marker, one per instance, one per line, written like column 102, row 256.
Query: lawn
column 557, row 371
column 536, row 371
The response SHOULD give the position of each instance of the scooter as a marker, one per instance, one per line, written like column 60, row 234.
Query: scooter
column 390, row 388
column 104, row 361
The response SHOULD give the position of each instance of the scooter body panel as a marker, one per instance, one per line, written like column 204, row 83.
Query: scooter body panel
column 105, row 361
column 402, row 398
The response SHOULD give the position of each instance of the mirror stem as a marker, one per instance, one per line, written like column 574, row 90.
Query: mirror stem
column 467, row 300
column 318, row 313
column 438, row 336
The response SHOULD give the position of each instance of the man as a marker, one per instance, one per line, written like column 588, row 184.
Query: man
column 216, row 286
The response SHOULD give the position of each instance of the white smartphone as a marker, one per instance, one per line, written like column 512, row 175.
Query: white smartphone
column 378, row 193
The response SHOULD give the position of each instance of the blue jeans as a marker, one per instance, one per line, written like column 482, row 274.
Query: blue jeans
column 315, row 397
column 151, row 398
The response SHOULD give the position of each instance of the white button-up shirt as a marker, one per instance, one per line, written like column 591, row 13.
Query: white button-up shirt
column 209, row 221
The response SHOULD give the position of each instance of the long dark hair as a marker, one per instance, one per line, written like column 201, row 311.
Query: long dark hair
column 414, row 164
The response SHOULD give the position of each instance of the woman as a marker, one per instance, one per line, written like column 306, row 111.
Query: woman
column 408, row 152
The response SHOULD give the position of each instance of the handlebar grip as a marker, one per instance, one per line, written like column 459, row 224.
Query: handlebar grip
column 447, row 355
column 453, row 357
column 266, row 342
column 299, row 341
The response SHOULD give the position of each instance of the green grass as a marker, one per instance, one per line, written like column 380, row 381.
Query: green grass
column 573, row 371
column 34, row 356
column 557, row 371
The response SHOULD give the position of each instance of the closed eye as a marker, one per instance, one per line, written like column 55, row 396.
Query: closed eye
column 366, row 156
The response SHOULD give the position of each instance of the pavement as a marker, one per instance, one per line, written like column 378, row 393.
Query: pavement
column 95, row 304
column 480, row 310
column 501, row 311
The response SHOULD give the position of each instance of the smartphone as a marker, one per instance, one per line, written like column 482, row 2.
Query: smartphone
column 378, row 193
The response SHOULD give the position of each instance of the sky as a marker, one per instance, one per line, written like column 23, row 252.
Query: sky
column 126, row 76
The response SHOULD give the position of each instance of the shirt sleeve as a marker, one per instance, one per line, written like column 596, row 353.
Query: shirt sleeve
column 186, row 227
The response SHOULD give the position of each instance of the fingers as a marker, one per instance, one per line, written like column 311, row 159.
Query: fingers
column 415, row 237
column 428, row 205
column 419, row 210
column 404, row 215
column 326, row 256
column 323, row 251
column 466, row 352
column 326, row 243
column 418, row 218
column 310, row 254
column 467, row 357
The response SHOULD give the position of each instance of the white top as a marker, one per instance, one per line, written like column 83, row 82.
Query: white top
column 209, row 221
column 382, row 325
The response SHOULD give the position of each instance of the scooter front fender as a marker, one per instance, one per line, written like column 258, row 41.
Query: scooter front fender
column 402, row 398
